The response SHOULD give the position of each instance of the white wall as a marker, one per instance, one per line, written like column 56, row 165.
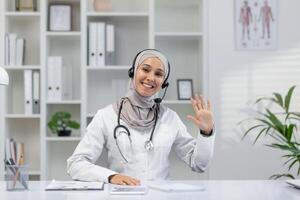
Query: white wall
column 238, row 76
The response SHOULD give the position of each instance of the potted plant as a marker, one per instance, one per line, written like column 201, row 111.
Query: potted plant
column 61, row 124
column 281, row 126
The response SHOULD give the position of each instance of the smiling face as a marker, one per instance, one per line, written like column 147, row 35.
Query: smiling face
column 149, row 77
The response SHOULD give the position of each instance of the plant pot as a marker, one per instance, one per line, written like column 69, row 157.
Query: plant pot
column 64, row 133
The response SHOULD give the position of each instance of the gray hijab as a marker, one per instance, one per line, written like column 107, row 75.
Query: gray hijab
column 138, row 111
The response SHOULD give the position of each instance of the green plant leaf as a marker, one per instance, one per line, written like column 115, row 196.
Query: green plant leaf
column 279, row 99
column 259, row 134
column 250, row 129
column 277, row 176
column 293, row 163
column 287, row 99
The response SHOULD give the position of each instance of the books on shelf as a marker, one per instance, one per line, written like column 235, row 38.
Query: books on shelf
column 14, row 50
column 101, row 50
column 31, row 91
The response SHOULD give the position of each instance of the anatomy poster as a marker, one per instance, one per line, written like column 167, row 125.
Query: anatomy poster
column 256, row 24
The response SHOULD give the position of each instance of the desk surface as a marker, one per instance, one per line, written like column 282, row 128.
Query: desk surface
column 214, row 190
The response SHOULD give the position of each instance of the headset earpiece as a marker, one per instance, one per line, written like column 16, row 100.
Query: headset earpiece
column 131, row 72
column 165, row 84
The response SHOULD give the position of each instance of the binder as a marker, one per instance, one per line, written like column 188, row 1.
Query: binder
column 92, row 44
column 58, row 93
column 110, row 45
column 36, row 92
column 67, row 82
column 6, row 50
column 12, row 48
column 100, row 44
column 20, row 51
column 54, row 78
column 28, row 91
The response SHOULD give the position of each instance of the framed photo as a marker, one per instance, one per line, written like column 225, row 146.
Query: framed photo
column 256, row 24
column 60, row 17
column 184, row 89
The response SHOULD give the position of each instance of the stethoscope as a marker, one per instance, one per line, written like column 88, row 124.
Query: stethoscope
column 123, row 129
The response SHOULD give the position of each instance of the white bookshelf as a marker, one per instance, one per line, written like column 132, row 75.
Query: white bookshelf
column 177, row 28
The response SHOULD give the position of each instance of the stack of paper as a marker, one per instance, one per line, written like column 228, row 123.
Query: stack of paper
column 74, row 185
column 128, row 190
column 175, row 187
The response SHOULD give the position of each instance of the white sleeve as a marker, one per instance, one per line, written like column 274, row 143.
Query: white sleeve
column 194, row 152
column 81, row 164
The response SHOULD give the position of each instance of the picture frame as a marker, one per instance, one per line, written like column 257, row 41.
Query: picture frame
column 185, row 89
column 60, row 16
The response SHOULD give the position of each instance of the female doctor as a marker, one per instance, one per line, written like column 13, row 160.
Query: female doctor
column 138, row 132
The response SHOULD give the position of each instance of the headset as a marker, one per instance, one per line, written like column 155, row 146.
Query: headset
column 165, row 84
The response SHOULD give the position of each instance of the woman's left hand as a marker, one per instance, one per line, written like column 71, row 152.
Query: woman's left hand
column 203, row 115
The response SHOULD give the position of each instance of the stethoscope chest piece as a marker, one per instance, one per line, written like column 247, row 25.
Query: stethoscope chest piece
column 149, row 145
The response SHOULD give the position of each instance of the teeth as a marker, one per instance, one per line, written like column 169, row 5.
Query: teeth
column 148, row 86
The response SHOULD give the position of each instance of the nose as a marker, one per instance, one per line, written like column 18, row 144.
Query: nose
column 151, row 77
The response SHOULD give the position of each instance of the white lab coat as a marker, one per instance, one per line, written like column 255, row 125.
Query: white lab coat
column 143, row 165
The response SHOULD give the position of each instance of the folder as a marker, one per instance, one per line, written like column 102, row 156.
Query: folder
column 110, row 45
column 6, row 50
column 20, row 47
column 28, row 91
column 54, row 78
column 12, row 48
column 67, row 82
column 92, row 44
column 36, row 92
column 100, row 44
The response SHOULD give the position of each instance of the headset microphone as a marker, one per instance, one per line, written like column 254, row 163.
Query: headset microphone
column 159, row 100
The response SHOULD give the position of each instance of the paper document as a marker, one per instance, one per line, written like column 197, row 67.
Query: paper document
column 130, row 190
column 295, row 183
column 175, row 187
column 74, row 185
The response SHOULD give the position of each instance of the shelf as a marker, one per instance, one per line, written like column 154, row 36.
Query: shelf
column 109, row 67
column 64, row 102
column 22, row 14
column 117, row 14
column 63, row 138
column 63, row 33
column 183, row 35
column 31, row 172
column 22, row 116
column 23, row 67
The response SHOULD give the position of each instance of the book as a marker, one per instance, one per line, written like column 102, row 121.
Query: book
column 175, row 187
column 128, row 190
column 74, row 185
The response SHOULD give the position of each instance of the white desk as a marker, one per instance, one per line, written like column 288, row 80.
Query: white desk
column 214, row 190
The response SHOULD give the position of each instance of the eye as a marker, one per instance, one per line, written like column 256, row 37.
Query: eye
column 159, row 74
column 145, row 69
